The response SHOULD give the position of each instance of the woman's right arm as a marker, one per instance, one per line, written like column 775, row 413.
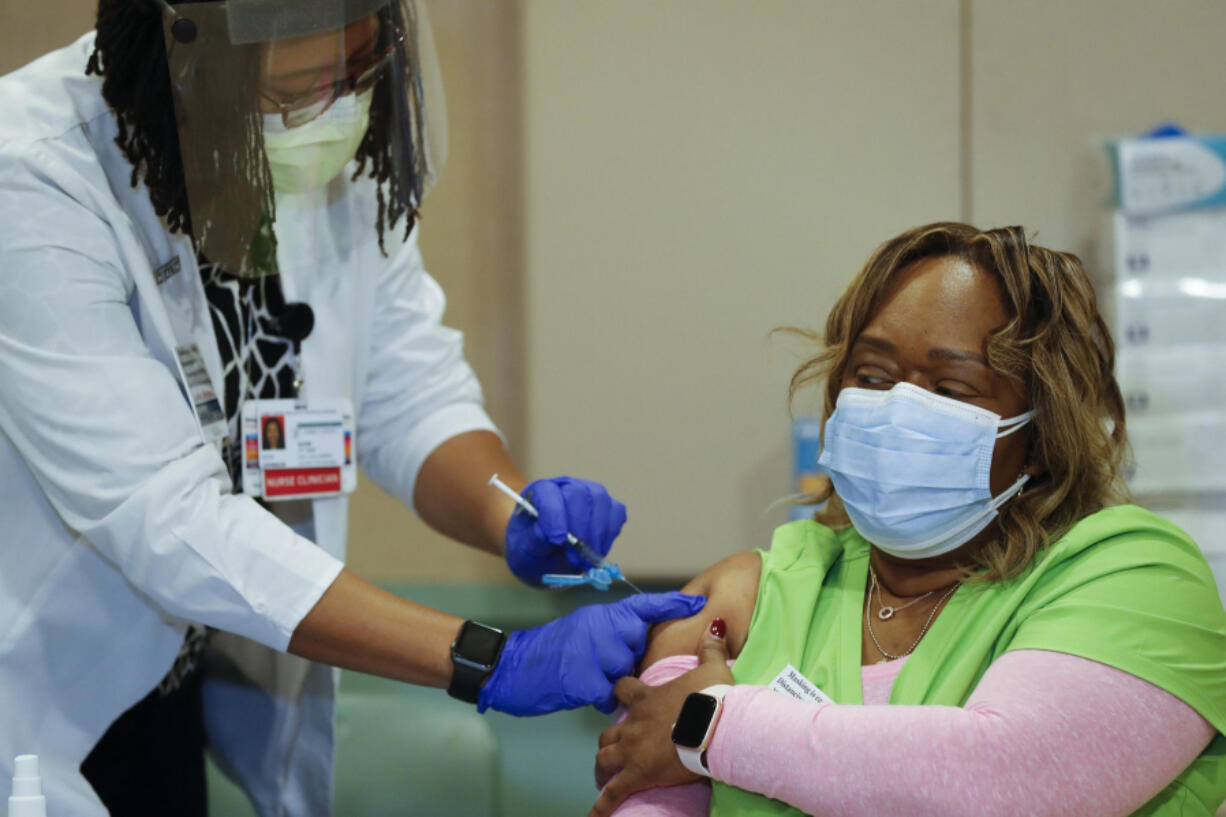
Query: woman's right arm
column 731, row 588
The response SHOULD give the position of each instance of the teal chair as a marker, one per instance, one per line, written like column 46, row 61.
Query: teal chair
column 399, row 751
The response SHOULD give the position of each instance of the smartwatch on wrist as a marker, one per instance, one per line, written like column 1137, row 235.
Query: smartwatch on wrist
column 474, row 654
column 696, row 724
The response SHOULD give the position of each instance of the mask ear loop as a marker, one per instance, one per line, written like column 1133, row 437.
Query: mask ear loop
column 1014, row 423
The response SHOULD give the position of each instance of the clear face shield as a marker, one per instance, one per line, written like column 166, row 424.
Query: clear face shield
column 276, row 97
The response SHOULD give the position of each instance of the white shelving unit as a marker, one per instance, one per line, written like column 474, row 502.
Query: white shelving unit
column 1163, row 290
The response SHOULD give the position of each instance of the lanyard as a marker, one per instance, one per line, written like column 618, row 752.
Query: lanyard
column 187, row 308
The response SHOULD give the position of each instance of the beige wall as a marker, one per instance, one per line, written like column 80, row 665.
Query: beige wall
column 693, row 173
column 1051, row 79
column 28, row 29
column 699, row 172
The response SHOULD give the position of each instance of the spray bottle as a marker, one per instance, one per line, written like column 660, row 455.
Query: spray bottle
column 27, row 798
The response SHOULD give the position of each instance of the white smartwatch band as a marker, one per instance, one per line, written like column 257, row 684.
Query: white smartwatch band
column 692, row 758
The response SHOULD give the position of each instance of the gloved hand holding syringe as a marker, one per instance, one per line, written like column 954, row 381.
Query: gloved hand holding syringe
column 601, row 575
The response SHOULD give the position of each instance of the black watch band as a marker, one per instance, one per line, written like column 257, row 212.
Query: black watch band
column 474, row 655
column 466, row 682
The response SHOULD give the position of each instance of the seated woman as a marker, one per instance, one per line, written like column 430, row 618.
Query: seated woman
column 995, row 633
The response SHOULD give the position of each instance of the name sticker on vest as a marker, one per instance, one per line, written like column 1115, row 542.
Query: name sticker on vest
column 790, row 682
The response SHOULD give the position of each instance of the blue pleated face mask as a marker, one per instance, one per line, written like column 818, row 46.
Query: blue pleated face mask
column 913, row 468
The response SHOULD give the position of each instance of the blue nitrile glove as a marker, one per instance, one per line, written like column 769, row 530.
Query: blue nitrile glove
column 538, row 546
column 575, row 660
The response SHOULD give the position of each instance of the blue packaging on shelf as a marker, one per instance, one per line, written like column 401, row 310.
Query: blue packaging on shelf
column 806, row 474
column 1167, row 174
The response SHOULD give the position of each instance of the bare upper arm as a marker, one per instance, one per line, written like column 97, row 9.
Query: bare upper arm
column 731, row 588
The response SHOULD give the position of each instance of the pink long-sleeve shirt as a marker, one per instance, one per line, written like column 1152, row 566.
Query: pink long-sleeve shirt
column 1044, row 733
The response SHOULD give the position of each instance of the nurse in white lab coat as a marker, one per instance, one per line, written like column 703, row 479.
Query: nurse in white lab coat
column 123, row 529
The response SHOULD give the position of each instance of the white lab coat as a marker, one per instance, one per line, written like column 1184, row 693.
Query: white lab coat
column 117, row 522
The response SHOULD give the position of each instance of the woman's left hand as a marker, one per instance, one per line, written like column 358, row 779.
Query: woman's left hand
column 638, row 753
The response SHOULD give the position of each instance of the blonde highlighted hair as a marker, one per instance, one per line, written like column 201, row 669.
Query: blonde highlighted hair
column 1055, row 344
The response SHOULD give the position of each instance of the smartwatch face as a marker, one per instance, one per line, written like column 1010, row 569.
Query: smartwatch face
column 695, row 717
column 478, row 643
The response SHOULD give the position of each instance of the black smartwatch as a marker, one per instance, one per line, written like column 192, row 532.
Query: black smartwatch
column 474, row 655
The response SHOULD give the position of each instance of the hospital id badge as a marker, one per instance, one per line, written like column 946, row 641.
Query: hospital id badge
column 297, row 451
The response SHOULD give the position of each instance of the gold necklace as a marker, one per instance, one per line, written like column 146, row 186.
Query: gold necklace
column 868, row 620
column 887, row 612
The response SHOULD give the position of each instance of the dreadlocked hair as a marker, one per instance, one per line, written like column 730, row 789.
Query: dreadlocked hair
column 384, row 168
column 130, row 57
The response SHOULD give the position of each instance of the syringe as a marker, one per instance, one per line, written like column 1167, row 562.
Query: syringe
column 582, row 548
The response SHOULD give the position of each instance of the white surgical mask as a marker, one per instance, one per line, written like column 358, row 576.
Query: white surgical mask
column 309, row 156
column 913, row 468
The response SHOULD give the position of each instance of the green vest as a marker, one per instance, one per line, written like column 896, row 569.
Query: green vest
column 1124, row 587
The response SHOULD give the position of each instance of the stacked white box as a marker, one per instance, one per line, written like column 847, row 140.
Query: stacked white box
column 1163, row 290
column 1165, row 299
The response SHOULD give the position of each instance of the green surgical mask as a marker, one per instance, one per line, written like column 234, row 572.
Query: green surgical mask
column 309, row 156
